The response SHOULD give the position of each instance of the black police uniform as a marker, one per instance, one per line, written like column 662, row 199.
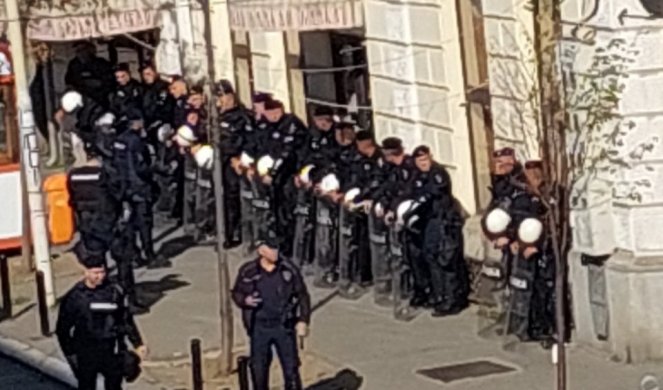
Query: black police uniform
column 157, row 106
column 236, row 124
column 92, row 327
column 354, row 245
column 93, row 78
column 386, row 245
column 285, row 302
column 440, row 274
column 317, row 153
column 95, row 210
column 126, row 97
column 285, row 139
column 132, row 160
column 180, row 109
column 86, row 117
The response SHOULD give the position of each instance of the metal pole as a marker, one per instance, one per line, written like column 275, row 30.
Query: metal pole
column 196, row 365
column 6, row 288
column 30, row 151
column 43, row 307
column 225, row 309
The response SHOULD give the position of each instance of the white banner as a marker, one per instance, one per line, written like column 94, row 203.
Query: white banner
column 246, row 15
column 76, row 20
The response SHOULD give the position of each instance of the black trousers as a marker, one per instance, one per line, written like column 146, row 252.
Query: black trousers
column 142, row 222
column 231, row 203
column 417, row 262
column 97, row 360
column 284, row 341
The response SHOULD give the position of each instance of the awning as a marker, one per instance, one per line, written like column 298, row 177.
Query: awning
column 73, row 20
column 296, row 15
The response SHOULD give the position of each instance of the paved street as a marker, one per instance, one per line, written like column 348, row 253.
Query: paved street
column 356, row 335
column 14, row 376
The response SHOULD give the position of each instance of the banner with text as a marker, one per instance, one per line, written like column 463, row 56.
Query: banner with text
column 79, row 19
column 295, row 15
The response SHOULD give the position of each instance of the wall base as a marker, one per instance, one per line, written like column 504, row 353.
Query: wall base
column 628, row 291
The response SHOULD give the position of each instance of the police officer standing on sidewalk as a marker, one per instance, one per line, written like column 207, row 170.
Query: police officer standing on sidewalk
column 276, row 309
column 157, row 103
column 236, row 123
column 127, row 94
column 93, row 327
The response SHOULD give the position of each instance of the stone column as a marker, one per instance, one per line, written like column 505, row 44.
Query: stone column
column 269, row 63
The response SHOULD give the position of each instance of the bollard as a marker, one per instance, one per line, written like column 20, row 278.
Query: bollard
column 243, row 372
column 6, row 290
column 43, row 307
column 196, row 365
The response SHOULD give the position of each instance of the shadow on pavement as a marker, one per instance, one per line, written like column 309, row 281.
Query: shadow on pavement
column 176, row 246
column 5, row 316
column 152, row 292
column 345, row 380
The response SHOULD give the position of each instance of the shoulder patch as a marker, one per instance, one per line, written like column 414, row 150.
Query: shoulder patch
column 438, row 178
column 287, row 275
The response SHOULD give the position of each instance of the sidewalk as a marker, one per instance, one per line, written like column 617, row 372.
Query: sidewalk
column 345, row 334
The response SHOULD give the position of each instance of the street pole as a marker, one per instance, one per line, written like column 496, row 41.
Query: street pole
column 30, row 151
column 225, row 309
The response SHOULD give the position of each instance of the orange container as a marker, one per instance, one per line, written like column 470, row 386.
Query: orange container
column 60, row 215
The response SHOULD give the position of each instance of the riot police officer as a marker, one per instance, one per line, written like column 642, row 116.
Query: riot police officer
column 95, row 209
column 205, row 216
column 317, row 153
column 440, row 274
column 156, row 102
column 86, row 111
column 127, row 94
column 93, row 327
column 90, row 75
column 132, row 160
column 276, row 308
column 286, row 136
column 236, row 125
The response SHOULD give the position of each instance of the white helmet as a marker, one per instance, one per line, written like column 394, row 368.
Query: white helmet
column 330, row 183
column 379, row 209
column 305, row 174
column 530, row 230
column 351, row 195
column 497, row 221
column 403, row 208
column 105, row 120
column 245, row 160
column 71, row 101
column 204, row 157
column 164, row 132
column 265, row 163
column 185, row 136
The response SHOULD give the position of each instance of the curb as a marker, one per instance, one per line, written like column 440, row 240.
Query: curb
column 48, row 365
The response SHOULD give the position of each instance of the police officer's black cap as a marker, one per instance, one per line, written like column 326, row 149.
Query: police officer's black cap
column 364, row 135
column 134, row 114
column 504, row 152
column 392, row 143
column 131, row 369
column 262, row 97
column 196, row 90
column 323, row 111
column 421, row 150
column 122, row 67
column 89, row 259
column 270, row 242
column 534, row 164
column 224, row 87
column 273, row 105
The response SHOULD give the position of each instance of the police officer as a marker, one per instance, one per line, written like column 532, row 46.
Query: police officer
column 127, row 94
column 86, row 111
column 132, row 159
column 397, row 172
column 179, row 91
column 276, row 308
column 364, row 180
column 95, row 209
column 93, row 327
column 317, row 153
column 156, row 102
column 327, row 188
column 90, row 75
column 286, row 136
column 236, row 125
column 439, row 267
column 187, row 137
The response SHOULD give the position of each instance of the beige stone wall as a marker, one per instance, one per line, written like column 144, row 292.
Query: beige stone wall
column 417, row 82
column 270, row 73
